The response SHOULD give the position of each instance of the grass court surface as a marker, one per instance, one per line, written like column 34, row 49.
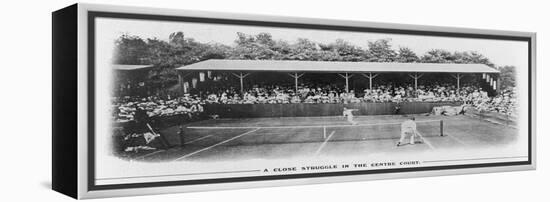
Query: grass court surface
column 281, row 138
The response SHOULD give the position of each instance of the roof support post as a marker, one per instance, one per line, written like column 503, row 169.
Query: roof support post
column 498, row 84
column 491, row 82
column 346, row 76
column 370, row 76
column 181, row 76
column 296, row 76
column 457, row 76
column 180, row 82
column 416, row 76
column 241, row 77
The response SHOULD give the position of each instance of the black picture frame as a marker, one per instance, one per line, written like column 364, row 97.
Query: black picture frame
column 65, row 114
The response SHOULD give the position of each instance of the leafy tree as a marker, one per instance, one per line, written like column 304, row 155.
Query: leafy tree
column 243, row 39
column 130, row 50
column 330, row 55
column 437, row 56
column 507, row 77
column 381, row 51
column 283, row 50
column 216, row 51
column 478, row 58
column 462, row 57
column 265, row 39
column 471, row 57
column 345, row 50
column 158, row 52
column 406, row 55
column 250, row 47
column 304, row 49
column 177, row 39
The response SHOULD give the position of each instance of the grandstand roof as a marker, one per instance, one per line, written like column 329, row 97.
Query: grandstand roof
column 129, row 67
column 328, row 66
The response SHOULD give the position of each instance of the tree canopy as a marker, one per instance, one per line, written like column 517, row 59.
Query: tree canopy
column 507, row 76
column 181, row 50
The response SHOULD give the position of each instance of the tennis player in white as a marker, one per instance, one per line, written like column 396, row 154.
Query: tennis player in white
column 408, row 127
column 349, row 114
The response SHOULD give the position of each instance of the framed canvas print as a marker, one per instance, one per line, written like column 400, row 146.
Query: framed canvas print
column 149, row 101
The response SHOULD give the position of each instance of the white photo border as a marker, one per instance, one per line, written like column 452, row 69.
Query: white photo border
column 88, row 13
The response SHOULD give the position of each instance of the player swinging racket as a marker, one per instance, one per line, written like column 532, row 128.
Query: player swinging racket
column 408, row 127
column 349, row 114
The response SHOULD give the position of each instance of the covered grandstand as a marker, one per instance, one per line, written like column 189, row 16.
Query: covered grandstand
column 241, row 69
column 131, row 79
column 211, row 77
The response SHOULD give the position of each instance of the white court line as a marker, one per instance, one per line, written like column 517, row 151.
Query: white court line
column 158, row 151
column 210, row 147
column 149, row 154
column 324, row 143
column 197, row 139
column 456, row 139
column 425, row 141
column 312, row 126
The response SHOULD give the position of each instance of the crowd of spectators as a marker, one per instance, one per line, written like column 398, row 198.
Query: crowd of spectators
column 504, row 103
column 192, row 105
column 332, row 94
column 127, row 108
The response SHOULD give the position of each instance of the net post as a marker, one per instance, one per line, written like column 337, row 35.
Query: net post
column 441, row 127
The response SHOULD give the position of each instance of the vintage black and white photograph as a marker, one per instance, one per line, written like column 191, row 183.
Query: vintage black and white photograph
column 179, row 100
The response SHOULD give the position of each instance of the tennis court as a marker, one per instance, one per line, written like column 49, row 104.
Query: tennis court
column 281, row 138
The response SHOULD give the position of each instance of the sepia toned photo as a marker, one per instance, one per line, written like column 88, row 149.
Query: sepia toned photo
column 189, row 100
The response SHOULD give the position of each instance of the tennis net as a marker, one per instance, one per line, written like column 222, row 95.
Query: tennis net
column 252, row 135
